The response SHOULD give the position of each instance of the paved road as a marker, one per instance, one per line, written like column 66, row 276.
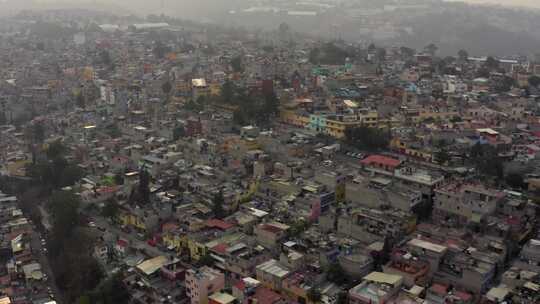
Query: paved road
column 45, row 265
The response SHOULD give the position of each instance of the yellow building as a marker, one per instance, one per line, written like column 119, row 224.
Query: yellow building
column 337, row 127
column 128, row 218
column 294, row 118
column 397, row 144
column 215, row 89
column 436, row 115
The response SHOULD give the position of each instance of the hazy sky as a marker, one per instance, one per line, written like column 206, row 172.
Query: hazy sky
column 531, row 3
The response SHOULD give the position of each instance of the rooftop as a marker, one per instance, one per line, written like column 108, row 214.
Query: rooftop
column 273, row 267
column 427, row 245
column 150, row 266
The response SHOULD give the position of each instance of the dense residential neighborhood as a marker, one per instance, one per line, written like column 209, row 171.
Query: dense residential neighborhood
column 163, row 161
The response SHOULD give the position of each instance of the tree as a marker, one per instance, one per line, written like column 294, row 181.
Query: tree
column 314, row 295
column 144, row 186
column 105, row 57
column 113, row 130
column 463, row 55
column 206, row 260
column 40, row 46
column 284, row 28
column 505, row 84
column 431, row 49
column 491, row 63
column 381, row 54
column 166, row 87
column 80, row 100
column 111, row 209
column 179, row 132
column 298, row 227
column 336, row 274
column 314, row 55
column 217, row 205
column 3, row 118
column 487, row 161
column 236, row 64
column 271, row 105
column 342, row 298
column 111, row 291
column 516, row 181
column 160, row 50
column 227, row 92
column 442, row 156
column 406, row 53
column 119, row 178
column 366, row 138
column 63, row 207
column 534, row 81
column 38, row 132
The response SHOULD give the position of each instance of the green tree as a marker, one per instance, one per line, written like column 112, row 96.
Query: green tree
column 119, row 178
column 406, row 53
column 271, row 105
column 217, row 205
column 314, row 295
column 80, row 100
column 336, row 274
column 166, row 87
column 487, row 161
column 431, row 49
column 516, row 181
column 491, row 63
column 111, row 291
column 342, row 298
column 298, row 227
column 37, row 132
column 206, row 260
column 84, row 300
column 534, row 81
column 442, row 156
column 381, row 54
column 111, row 209
column 237, row 64
column 505, row 84
column 144, row 186
column 160, row 50
column 463, row 55
column 3, row 118
column 113, row 130
column 40, row 46
column 366, row 138
column 227, row 92
column 105, row 57
column 314, row 55
column 179, row 132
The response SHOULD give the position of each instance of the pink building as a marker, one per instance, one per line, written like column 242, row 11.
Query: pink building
column 202, row 282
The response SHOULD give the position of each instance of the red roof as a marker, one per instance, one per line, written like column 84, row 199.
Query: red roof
column 240, row 285
column 122, row 243
column 169, row 227
column 439, row 289
column 215, row 223
column 266, row 296
column 380, row 160
column 220, row 248
column 463, row 295
column 271, row 228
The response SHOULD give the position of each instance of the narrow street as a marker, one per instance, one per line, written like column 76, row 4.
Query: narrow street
column 45, row 265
